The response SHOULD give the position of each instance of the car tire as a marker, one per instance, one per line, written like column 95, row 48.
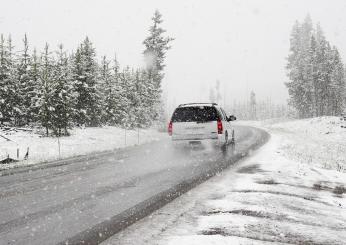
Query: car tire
column 233, row 138
column 225, row 145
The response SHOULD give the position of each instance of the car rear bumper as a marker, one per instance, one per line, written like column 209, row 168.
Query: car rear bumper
column 194, row 137
column 214, row 138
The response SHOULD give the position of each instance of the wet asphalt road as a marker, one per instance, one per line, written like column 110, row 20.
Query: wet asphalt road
column 83, row 198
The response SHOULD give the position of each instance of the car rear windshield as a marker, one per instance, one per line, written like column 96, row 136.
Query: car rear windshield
column 195, row 114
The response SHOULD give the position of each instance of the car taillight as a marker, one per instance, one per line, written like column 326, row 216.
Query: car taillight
column 170, row 128
column 219, row 127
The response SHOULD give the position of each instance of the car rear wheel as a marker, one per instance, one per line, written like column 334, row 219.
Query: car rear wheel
column 225, row 144
column 226, row 138
column 233, row 138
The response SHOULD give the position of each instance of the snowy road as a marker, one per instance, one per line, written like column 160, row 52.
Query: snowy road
column 91, row 199
column 267, row 198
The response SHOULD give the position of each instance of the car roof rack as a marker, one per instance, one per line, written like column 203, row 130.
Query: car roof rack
column 209, row 103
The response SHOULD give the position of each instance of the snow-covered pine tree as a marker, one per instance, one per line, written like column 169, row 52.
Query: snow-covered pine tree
column 7, row 83
column 62, row 94
column 305, row 81
column 121, row 102
column 46, row 90
column 151, row 100
column 337, row 84
column 85, row 69
column 293, row 67
column 313, row 75
column 154, row 95
column 146, row 102
column 24, row 88
column 156, row 46
column 34, row 82
column 140, row 99
column 80, row 117
column 315, row 72
column 323, row 70
column 107, row 89
column 12, row 93
column 129, row 97
column 299, row 68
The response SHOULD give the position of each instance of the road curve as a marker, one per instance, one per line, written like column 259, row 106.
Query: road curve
column 85, row 200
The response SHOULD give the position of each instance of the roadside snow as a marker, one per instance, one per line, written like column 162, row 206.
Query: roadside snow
column 265, row 199
column 318, row 141
column 81, row 142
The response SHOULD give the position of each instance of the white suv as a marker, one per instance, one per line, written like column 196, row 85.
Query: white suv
column 197, row 122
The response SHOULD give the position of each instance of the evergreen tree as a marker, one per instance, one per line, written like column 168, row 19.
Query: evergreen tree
column 78, row 87
column 141, row 101
column 300, row 86
column 62, row 95
column 313, row 75
column 305, row 83
column 85, row 68
column 55, row 91
column 128, row 100
column 7, row 85
column 45, row 104
column 146, row 101
column 24, row 87
column 322, row 68
column 34, row 84
column 315, row 71
column 12, row 94
column 107, row 88
column 121, row 101
column 337, row 84
column 156, row 46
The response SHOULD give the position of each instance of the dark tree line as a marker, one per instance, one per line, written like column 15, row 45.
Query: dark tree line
column 59, row 90
column 316, row 73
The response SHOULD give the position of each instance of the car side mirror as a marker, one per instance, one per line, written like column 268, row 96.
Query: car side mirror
column 231, row 118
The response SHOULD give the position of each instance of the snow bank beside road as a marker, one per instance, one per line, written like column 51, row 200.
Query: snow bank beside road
column 318, row 141
column 81, row 142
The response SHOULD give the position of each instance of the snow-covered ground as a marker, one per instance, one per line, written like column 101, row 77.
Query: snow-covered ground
column 318, row 141
column 81, row 141
column 278, row 195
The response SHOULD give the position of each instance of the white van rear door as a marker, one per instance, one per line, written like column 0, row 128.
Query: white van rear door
column 198, row 122
column 194, row 130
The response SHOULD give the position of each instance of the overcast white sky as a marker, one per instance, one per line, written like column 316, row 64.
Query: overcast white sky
column 242, row 43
